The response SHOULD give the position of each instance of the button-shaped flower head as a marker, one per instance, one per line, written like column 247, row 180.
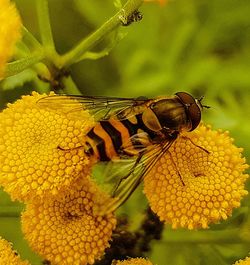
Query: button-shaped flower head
column 199, row 181
column 41, row 150
column 64, row 231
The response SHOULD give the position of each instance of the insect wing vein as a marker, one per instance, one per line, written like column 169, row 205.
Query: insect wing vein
column 101, row 108
column 128, row 183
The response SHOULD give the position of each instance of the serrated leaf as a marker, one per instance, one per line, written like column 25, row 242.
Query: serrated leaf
column 18, row 80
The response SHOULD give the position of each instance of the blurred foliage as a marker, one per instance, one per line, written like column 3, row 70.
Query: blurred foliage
column 199, row 46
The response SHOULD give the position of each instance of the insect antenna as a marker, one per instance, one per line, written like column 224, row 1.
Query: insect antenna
column 199, row 101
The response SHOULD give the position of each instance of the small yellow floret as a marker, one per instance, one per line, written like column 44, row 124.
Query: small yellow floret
column 135, row 261
column 8, row 256
column 41, row 150
column 246, row 261
column 64, row 231
column 190, row 187
column 10, row 27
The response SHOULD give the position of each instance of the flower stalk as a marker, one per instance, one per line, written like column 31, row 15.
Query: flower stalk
column 69, row 86
column 10, row 211
column 30, row 40
column 18, row 66
column 87, row 43
column 44, row 25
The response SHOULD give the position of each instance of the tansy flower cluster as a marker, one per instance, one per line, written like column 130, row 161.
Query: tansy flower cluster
column 10, row 27
column 135, row 261
column 8, row 256
column 43, row 163
column 246, row 261
column 40, row 149
column 199, row 181
column 64, row 231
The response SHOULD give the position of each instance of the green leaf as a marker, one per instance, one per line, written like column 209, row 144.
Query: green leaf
column 18, row 80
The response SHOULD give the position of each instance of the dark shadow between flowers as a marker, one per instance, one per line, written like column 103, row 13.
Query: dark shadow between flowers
column 125, row 244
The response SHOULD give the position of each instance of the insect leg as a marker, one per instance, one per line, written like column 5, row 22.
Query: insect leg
column 68, row 149
column 202, row 149
column 198, row 146
column 177, row 170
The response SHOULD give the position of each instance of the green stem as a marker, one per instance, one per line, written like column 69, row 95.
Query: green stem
column 21, row 50
column 204, row 237
column 11, row 211
column 18, row 66
column 70, row 86
column 44, row 26
column 84, row 45
column 41, row 87
column 30, row 40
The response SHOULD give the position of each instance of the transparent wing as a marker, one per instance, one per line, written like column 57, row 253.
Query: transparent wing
column 101, row 108
column 128, row 176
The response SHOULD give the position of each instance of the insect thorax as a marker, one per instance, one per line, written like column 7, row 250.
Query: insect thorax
column 171, row 114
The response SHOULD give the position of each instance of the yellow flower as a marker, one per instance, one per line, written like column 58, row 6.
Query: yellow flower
column 135, row 261
column 8, row 256
column 31, row 164
column 246, row 261
column 64, row 231
column 191, row 188
column 10, row 27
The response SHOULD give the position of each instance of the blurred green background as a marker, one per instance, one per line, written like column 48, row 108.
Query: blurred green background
column 198, row 46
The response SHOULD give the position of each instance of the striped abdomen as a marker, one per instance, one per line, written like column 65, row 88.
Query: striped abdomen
column 108, row 139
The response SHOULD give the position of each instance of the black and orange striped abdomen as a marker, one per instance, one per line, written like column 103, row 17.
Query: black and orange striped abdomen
column 108, row 139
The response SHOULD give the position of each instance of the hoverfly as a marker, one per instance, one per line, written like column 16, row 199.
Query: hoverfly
column 138, row 131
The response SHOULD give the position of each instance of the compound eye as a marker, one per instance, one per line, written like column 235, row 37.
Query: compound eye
column 194, row 114
column 185, row 98
column 192, row 109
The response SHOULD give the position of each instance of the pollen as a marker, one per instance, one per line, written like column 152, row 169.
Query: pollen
column 8, row 256
column 10, row 32
column 198, row 181
column 135, row 261
column 64, row 231
column 41, row 149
